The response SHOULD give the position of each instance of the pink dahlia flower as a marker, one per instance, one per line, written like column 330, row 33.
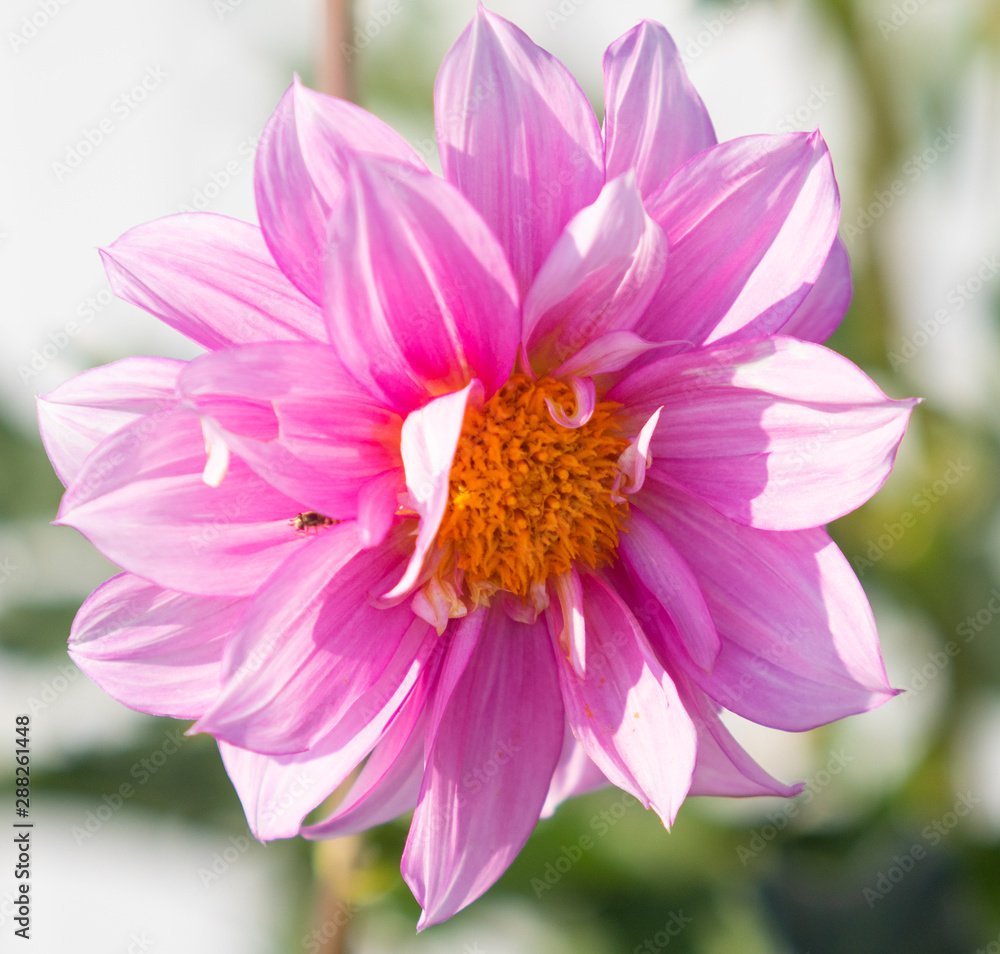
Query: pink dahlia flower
column 499, row 484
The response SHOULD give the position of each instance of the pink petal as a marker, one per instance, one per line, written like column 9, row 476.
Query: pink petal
column 489, row 764
column 430, row 436
column 518, row 138
column 775, row 433
column 821, row 311
column 300, row 171
column 140, row 499
column 461, row 637
column 213, row 279
column 75, row 417
column 328, row 649
column 637, row 457
column 625, row 712
column 378, row 501
column 420, row 299
column 723, row 766
column 572, row 636
column 153, row 649
column 331, row 439
column 599, row 277
column 585, row 393
column 660, row 569
column 611, row 352
column 799, row 647
column 278, row 791
column 389, row 783
column 654, row 120
column 750, row 224
column 575, row 775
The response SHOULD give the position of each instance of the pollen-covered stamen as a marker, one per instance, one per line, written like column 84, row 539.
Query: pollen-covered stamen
column 528, row 496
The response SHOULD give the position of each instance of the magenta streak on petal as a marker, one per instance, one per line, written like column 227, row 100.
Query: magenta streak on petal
column 518, row 137
column 430, row 436
column 502, row 728
column 312, row 624
column 599, row 277
column 625, row 712
column 299, row 175
column 153, row 649
column 654, row 120
column 419, row 297
column 213, row 279
column 75, row 417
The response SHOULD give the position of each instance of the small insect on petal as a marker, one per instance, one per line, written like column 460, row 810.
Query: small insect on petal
column 304, row 522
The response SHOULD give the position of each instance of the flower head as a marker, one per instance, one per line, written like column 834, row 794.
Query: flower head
column 501, row 483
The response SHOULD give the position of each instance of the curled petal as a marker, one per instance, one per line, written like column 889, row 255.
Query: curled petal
column 637, row 457
column 611, row 352
column 217, row 451
column 437, row 601
column 585, row 393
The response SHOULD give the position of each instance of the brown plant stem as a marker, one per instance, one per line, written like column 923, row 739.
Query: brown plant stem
column 336, row 67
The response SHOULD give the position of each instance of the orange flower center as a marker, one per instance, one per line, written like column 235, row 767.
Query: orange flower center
column 529, row 497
